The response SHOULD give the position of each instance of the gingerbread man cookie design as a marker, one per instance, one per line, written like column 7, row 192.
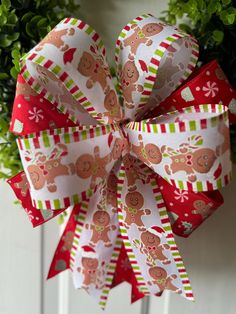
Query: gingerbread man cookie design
column 111, row 194
column 48, row 168
column 111, row 104
column 23, row 185
column 162, row 280
column 150, row 153
column 90, row 268
column 141, row 36
column 67, row 241
column 151, row 246
column 225, row 146
column 129, row 77
column 133, row 209
column 190, row 159
column 94, row 68
column 202, row 208
column 92, row 166
column 44, row 75
column 134, row 170
column 55, row 38
column 165, row 73
column 66, row 99
column 24, row 89
column 100, row 228
column 117, row 148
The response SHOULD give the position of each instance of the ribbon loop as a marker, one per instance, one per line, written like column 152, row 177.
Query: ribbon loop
column 152, row 60
column 64, row 166
column 197, row 154
column 69, row 68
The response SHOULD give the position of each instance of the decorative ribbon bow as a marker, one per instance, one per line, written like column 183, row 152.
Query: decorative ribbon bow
column 105, row 157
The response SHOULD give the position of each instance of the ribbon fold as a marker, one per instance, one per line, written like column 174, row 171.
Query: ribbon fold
column 108, row 163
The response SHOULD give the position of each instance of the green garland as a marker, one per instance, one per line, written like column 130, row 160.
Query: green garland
column 22, row 24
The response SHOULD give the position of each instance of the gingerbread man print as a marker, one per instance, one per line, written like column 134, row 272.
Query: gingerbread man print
column 141, row 36
column 92, row 166
column 134, row 170
column 90, row 268
column 223, row 129
column 151, row 246
column 150, row 153
column 66, row 99
column 111, row 189
column 129, row 77
column 117, row 149
column 95, row 70
column 202, row 208
column 47, row 168
column 190, row 159
column 162, row 280
column 100, row 228
column 24, row 89
column 111, row 104
column 134, row 202
column 23, row 185
column 165, row 73
column 67, row 241
column 55, row 38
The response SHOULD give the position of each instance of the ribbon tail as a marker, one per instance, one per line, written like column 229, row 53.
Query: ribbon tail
column 188, row 210
column 193, row 151
column 124, row 273
column 20, row 187
column 61, row 258
column 97, row 243
column 148, row 238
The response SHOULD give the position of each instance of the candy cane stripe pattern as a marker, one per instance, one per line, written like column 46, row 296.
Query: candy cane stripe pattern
column 107, row 158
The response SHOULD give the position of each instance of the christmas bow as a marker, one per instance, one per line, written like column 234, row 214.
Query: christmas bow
column 105, row 162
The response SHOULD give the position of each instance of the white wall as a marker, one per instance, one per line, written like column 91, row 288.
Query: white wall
column 108, row 17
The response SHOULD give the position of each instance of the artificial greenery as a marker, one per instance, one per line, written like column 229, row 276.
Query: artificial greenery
column 213, row 24
column 22, row 24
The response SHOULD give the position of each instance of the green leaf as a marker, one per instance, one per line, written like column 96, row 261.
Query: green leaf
column 14, row 72
column 218, row 36
column 15, row 54
column 228, row 16
column 13, row 37
column 12, row 19
column 3, row 20
column 4, row 41
column 36, row 19
column 26, row 17
column 7, row 3
column 29, row 30
column 42, row 22
column 4, row 76
column 226, row 2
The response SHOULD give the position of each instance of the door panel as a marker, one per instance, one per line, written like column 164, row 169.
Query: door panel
column 20, row 261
